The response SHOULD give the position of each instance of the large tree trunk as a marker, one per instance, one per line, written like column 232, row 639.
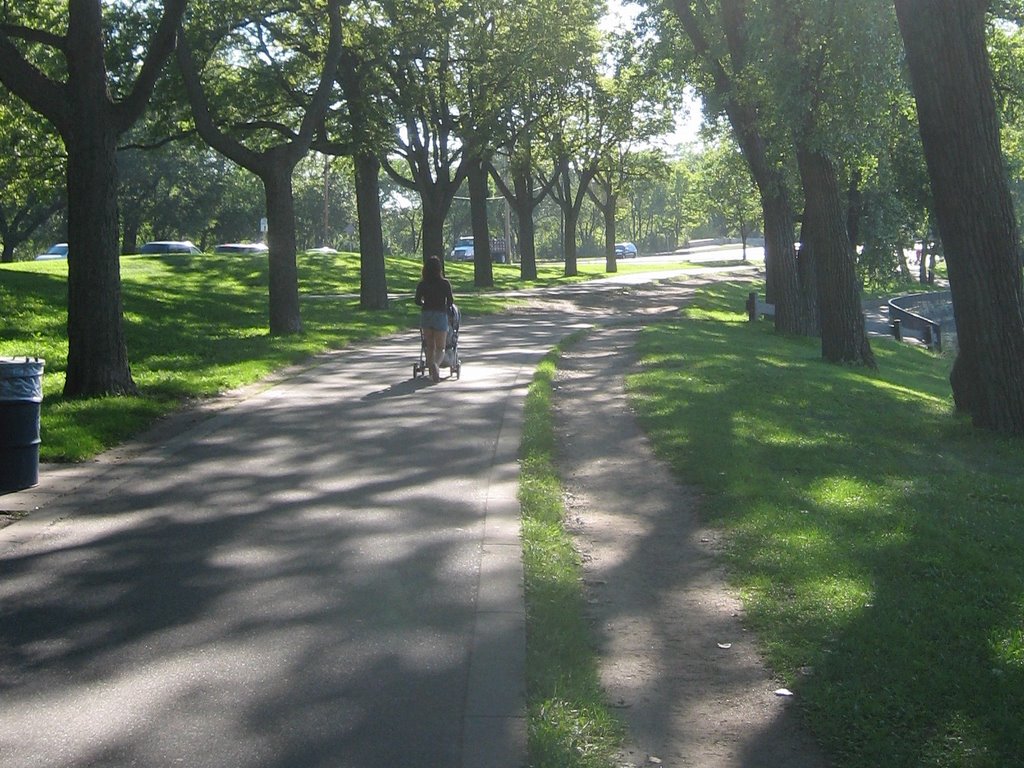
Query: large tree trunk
column 130, row 235
column 285, row 317
column 843, row 335
column 483, row 270
column 783, row 287
column 570, row 218
column 97, row 353
column 373, row 281
column 960, row 134
column 373, row 284
column 432, row 225
column 524, row 207
column 608, row 212
column 610, row 262
column 7, row 236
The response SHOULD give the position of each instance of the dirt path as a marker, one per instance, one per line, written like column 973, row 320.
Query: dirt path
column 675, row 658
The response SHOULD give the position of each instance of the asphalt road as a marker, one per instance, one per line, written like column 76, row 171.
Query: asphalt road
column 325, row 571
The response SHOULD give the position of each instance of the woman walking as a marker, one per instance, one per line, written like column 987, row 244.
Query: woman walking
column 434, row 296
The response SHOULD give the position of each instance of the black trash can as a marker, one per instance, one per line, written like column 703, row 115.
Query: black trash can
column 21, row 392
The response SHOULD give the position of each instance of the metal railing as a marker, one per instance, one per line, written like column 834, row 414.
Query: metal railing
column 904, row 321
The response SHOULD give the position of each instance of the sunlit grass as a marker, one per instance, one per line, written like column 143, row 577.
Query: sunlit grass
column 568, row 723
column 196, row 325
column 875, row 535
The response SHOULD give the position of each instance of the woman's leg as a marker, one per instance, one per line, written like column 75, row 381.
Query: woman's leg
column 430, row 337
column 442, row 337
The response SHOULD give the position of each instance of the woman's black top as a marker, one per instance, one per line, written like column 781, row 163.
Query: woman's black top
column 434, row 295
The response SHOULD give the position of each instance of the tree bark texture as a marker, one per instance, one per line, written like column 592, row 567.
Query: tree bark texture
column 607, row 207
column 844, row 338
column 373, row 284
column 97, row 352
column 524, row 206
column 432, row 224
column 285, row 316
column 960, row 134
column 783, row 288
column 373, row 281
column 569, row 218
column 483, row 269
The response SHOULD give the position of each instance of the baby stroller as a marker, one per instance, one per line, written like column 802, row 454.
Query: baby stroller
column 451, row 348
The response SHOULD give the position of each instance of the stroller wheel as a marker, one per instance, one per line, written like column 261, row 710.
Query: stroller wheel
column 415, row 370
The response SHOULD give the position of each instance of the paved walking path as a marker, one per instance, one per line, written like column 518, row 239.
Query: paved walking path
column 322, row 571
column 325, row 573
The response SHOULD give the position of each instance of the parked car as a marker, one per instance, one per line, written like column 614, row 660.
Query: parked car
column 56, row 251
column 241, row 248
column 169, row 246
column 625, row 251
column 463, row 250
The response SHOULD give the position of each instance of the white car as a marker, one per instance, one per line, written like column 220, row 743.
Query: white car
column 625, row 251
column 463, row 250
column 56, row 251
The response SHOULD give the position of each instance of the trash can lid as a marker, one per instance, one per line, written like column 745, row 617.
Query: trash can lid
column 21, row 378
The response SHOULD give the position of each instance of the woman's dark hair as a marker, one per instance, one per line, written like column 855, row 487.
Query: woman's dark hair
column 432, row 269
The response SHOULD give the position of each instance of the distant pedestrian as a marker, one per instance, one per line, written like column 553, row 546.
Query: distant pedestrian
column 434, row 297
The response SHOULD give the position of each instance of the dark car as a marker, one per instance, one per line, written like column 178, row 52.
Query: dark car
column 241, row 248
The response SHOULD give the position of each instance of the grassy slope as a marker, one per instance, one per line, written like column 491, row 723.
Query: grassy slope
column 876, row 537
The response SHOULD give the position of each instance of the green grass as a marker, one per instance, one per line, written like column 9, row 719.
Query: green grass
column 568, row 723
column 196, row 326
column 876, row 537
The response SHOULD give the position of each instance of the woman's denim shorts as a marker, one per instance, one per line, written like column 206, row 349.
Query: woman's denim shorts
column 438, row 320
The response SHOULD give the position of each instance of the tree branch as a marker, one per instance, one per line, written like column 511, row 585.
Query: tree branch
column 32, row 35
column 25, row 81
column 161, row 46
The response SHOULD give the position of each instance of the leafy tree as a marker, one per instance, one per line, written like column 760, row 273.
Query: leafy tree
column 973, row 208
column 636, row 106
column 728, row 191
column 719, row 59
column 421, row 88
column 183, row 190
column 368, row 133
column 55, row 61
column 553, row 44
column 261, row 85
column 895, row 198
column 827, row 70
column 663, row 204
column 1006, row 51
column 31, row 165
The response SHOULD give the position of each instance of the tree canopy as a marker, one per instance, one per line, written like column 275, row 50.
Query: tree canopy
column 429, row 98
